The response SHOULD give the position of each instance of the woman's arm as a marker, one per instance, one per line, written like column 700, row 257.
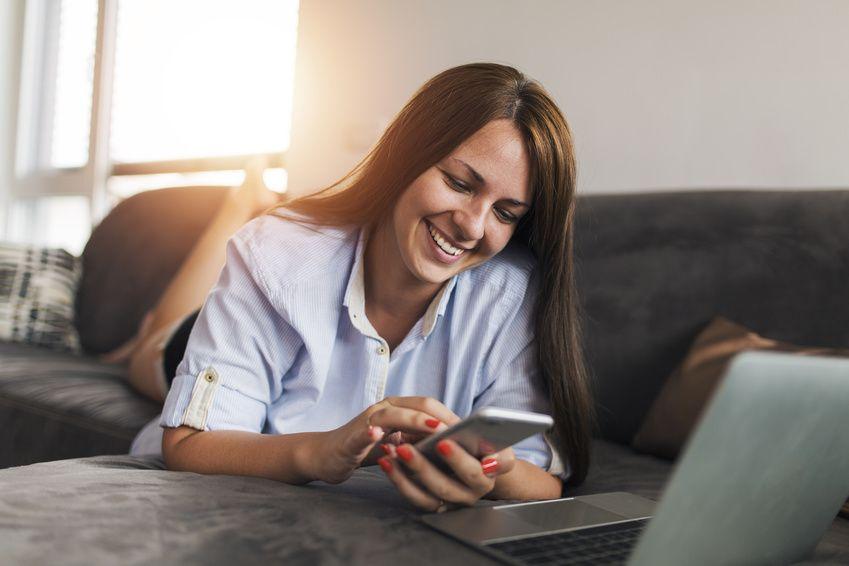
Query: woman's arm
column 526, row 481
column 284, row 458
column 300, row 458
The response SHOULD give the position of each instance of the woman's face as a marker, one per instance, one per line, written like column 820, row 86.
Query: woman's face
column 464, row 210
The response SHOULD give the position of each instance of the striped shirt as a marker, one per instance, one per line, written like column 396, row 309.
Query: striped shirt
column 283, row 345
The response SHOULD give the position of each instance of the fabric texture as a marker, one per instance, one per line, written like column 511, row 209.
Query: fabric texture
column 286, row 331
column 59, row 405
column 675, row 412
column 127, row 510
column 37, row 289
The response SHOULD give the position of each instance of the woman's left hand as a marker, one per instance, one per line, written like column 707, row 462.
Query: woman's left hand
column 427, row 487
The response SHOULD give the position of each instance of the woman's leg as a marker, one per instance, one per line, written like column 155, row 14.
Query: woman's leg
column 145, row 371
column 189, row 287
column 199, row 272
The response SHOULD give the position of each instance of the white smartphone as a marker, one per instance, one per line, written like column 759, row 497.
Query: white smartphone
column 486, row 431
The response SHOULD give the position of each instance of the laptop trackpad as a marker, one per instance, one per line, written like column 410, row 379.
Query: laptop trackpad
column 561, row 514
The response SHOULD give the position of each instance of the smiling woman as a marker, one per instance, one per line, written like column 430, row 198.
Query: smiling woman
column 433, row 280
column 448, row 220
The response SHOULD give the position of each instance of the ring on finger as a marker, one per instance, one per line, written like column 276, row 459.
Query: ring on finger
column 442, row 507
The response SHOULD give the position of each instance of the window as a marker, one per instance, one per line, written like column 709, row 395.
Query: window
column 120, row 96
column 74, row 79
column 199, row 78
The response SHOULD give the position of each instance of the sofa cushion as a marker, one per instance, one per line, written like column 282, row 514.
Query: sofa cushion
column 57, row 405
column 131, row 257
column 37, row 289
column 676, row 410
column 121, row 509
column 654, row 268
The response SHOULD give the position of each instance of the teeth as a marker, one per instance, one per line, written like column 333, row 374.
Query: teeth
column 443, row 245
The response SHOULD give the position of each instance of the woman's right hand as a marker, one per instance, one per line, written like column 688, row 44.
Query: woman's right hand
column 337, row 453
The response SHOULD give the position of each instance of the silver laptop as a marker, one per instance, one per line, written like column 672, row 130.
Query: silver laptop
column 761, row 479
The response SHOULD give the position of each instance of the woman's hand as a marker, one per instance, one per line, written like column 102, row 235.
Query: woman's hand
column 334, row 455
column 427, row 487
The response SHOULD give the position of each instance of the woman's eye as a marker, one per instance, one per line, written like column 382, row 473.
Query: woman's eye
column 455, row 184
column 505, row 216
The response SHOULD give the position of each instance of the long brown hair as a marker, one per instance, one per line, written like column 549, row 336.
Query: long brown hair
column 444, row 112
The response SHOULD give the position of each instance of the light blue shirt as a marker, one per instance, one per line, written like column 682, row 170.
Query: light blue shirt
column 283, row 345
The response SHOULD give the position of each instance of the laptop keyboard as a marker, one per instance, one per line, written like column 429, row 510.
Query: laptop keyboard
column 608, row 544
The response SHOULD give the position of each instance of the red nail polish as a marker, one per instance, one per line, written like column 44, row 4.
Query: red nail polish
column 443, row 448
column 404, row 452
column 432, row 423
column 386, row 449
column 489, row 465
column 485, row 447
column 385, row 464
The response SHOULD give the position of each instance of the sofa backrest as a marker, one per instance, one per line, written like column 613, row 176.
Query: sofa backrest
column 654, row 268
column 132, row 255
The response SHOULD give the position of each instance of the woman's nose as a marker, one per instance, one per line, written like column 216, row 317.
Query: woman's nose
column 471, row 221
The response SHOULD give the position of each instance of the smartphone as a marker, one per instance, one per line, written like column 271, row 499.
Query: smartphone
column 486, row 431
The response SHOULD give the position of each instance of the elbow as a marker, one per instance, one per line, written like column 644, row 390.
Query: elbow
column 558, row 488
column 173, row 446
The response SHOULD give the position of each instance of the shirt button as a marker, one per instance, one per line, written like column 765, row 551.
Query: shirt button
column 353, row 316
column 381, row 350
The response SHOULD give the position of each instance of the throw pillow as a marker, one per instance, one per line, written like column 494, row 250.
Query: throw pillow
column 675, row 412
column 37, row 289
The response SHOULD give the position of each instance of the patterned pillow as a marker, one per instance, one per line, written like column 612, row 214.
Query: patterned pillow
column 37, row 289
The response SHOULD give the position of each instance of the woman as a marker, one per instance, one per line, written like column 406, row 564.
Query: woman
column 391, row 304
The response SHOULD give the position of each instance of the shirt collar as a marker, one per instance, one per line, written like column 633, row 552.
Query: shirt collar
column 355, row 296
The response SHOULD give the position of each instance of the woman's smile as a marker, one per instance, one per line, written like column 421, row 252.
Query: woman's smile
column 440, row 245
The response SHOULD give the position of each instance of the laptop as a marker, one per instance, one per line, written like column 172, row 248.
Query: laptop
column 759, row 481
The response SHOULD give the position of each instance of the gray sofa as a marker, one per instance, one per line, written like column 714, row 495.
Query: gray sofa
column 652, row 270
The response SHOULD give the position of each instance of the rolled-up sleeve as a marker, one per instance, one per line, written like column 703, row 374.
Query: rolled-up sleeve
column 238, row 351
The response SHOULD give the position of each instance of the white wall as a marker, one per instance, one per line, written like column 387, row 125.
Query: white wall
column 660, row 93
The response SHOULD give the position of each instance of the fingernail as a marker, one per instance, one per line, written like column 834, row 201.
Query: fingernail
column 385, row 464
column 375, row 432
column 386, row 449
column 485, row 447
column 443, row 448
column 404, row 452
column 489, row 465
column 432, row 423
